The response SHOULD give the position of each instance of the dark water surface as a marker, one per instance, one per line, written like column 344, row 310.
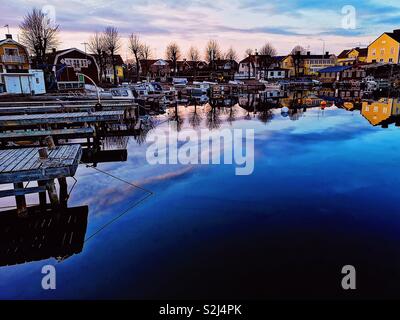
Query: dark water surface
column 324, row 194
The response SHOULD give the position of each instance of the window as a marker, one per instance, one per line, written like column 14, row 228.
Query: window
column 382, row 51
column 392, row 50
column 376, row 109
column 390, row 59
column 381, row 60
column 10, row 51
column 374, row 52
column 385, row 110
column 367, row 108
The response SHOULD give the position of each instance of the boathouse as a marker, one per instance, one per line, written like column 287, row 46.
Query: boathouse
column 66, row 64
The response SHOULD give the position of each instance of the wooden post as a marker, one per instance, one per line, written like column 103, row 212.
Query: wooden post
column 63, row 191
column 50, row 142
column 20, row 200
column 52, row 191
column 43, row 154
column 42, row 195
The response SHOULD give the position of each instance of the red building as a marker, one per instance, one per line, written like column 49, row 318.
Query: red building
column 68, row 64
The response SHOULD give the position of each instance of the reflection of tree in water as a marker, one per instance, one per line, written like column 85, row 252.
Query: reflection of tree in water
column 265, row 115
column 231, row 115
column 295, row 114
column 115, row 142
column 173, row 115
column 213, row 119
column 195, row 118
column 140, row 138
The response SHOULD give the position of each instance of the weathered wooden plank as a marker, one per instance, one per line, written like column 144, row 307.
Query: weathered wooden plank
column 54, row 118
column 21, row 192
column 62, row 162
column 23, row 164
column 44, row 133
column 12, row 158
column 21, row 157
column 8, row 154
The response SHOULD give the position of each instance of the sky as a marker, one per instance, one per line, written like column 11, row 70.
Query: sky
column 317, row 25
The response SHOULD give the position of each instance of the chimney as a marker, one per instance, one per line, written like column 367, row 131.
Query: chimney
column 8, row 36
column 308, row 53
column 54, row 50
column 397, row 31
column 327, row 53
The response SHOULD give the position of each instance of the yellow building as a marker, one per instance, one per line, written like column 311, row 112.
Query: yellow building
column 380, row 111
column 352, row 56
column 13, row 56
column 307, row 64
column 385, row 49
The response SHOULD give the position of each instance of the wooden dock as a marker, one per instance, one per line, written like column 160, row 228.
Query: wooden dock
column 61, row 118
column 62, row 108
column 19, row 165
column 40, row 134
column 43, row 165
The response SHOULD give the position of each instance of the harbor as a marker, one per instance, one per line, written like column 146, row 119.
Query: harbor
column 181, row 154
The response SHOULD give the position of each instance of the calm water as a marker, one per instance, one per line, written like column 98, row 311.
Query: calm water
column 324, row 194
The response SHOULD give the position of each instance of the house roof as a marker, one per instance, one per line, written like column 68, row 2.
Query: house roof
column 334, row 69
column 344, row 54
column 252, row 58
column 394, row 35
column 362, row 52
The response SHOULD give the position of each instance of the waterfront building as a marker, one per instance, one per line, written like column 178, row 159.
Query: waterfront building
column 352, row 56
column 67, row 63
column 14, row 56
column 257, row 66
column 109, row 70
column 385, row 49
column 300, row 65
column 15, row 75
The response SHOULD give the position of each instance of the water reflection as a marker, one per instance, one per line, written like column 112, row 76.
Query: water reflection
column 382, row 112
column 43, row 233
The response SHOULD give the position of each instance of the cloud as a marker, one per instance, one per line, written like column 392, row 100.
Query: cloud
column 242, row 23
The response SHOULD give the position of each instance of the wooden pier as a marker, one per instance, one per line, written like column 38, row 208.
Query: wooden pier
column 42, row 165
column 60, row 118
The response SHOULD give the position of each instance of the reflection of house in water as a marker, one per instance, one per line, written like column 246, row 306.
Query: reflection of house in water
column 382, row 112
column 42, row 234
column 342, row 94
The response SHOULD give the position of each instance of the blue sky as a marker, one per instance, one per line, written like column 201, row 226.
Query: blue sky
column 238, row 23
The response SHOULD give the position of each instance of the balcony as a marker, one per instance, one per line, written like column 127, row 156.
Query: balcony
column 13, row 59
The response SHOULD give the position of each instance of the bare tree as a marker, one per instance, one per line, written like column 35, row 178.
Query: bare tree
column 248, row 52
column 112, row 43
column 265, row 59
column 38, row 35
column 97, row 48
column 194, row 57
column 146, row 52
column 135, row 46
column 231, row 54
column 193, row 54
column 173, row 53
column 213, row 51
column 298, row 48
column 268, row 50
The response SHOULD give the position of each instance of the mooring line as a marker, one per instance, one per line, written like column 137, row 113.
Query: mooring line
column 117, row 217
column 149, row 194
column 117, row 178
